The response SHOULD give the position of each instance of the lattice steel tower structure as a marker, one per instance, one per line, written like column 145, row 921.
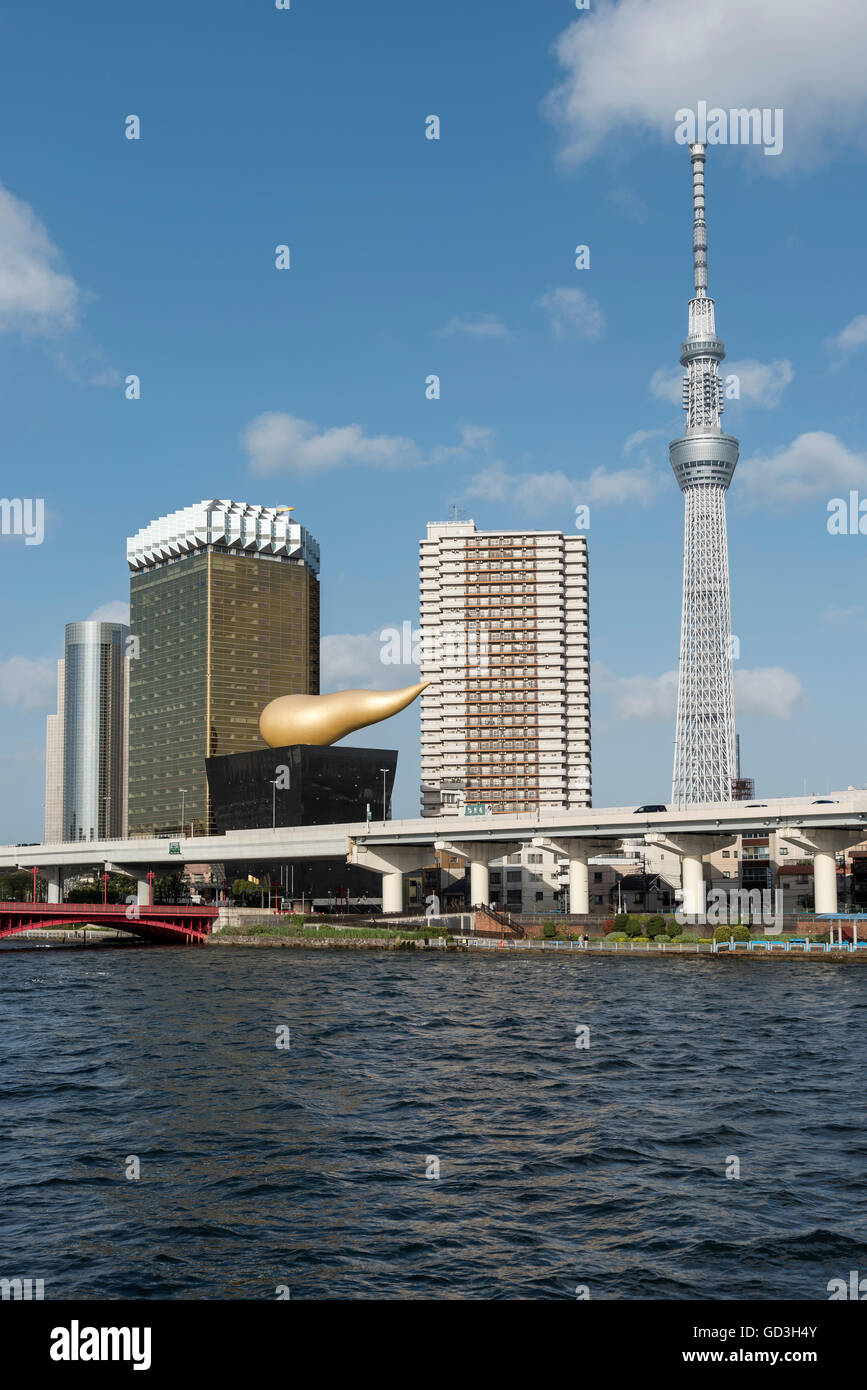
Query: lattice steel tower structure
column 704, row 460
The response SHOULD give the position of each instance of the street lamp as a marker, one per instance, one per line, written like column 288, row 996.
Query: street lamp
column 183, row 792
column 384, row 771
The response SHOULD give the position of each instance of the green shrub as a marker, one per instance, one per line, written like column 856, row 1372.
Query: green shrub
column 640, row 940
column 549, row 930
column 621, row 921
column 654, row 924
column 724, row 933
column 705, row 941
column 661, row 936
column 617, row 936
column 688, row 939
column 673, row 927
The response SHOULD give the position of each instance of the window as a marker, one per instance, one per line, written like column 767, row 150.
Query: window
column 597, row 876
column 539, row 897
column 598, row 899
column 726, row 854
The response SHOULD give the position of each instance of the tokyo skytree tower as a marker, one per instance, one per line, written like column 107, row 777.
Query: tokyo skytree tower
column 704, row 461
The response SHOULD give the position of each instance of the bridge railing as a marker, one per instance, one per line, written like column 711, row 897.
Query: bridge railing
column 112, row 910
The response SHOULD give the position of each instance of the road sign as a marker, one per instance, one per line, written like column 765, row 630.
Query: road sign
column 476, row 809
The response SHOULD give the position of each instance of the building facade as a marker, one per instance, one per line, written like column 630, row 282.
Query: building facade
column 86, row 740
column 224, row 617
column 505, row 644
column 53, row 833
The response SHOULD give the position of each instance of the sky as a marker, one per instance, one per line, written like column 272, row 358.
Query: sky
column 411, row 257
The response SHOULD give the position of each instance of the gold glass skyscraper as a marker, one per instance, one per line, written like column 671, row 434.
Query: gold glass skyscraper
column 224, row 617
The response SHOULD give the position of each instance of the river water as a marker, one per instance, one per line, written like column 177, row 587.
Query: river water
column 303, row 1168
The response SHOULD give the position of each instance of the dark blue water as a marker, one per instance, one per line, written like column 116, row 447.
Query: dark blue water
column 306, row 1168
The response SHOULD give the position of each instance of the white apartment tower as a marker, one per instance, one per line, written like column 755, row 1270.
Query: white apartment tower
column 505, row 644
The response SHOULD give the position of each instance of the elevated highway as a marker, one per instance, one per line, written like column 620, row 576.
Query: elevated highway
column 820, row 826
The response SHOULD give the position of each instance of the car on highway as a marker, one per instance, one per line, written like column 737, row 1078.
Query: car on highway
column 640, row 809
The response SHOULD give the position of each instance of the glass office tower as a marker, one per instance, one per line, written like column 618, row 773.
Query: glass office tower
column 224, row 616
column 94, row 717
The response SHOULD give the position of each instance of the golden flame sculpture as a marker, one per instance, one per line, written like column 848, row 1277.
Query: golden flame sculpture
column 323, row 719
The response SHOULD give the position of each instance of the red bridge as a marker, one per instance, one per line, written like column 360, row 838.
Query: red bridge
column 184, row 925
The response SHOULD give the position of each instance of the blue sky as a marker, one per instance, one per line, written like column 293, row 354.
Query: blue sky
column 409, row 257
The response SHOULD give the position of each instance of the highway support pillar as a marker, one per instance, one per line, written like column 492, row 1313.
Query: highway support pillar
column 579, row 852
column 392, row 862
column 691, row 849
column 54, row 878
column 824, row 845
column 480, row 854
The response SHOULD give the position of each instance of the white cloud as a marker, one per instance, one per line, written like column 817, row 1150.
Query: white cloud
column 647, row 697
column 623, row 485
column 850, row 338
column 813, row 465
column 539, row 494
column 477, row 326
column 28, row 684
column 117, row 611
column 843, row 617
column 281, row 443
column 767, row 690
column 760, row 383
column 36, row 294
column 532, row 493
column 667, row 384
column 640, row 437
column 572, row 313
column 629, row 66
column 353, row 660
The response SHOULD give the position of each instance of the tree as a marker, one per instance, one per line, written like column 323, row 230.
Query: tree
column 243, row 892
column 17, row 887
column 724, row 933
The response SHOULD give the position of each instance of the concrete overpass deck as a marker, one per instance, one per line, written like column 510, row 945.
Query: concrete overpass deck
column 820, row 826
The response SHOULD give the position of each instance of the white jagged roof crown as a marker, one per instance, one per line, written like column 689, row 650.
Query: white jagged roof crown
column 239, row 525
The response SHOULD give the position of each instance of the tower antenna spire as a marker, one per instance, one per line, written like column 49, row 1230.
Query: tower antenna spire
column 698, row 155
